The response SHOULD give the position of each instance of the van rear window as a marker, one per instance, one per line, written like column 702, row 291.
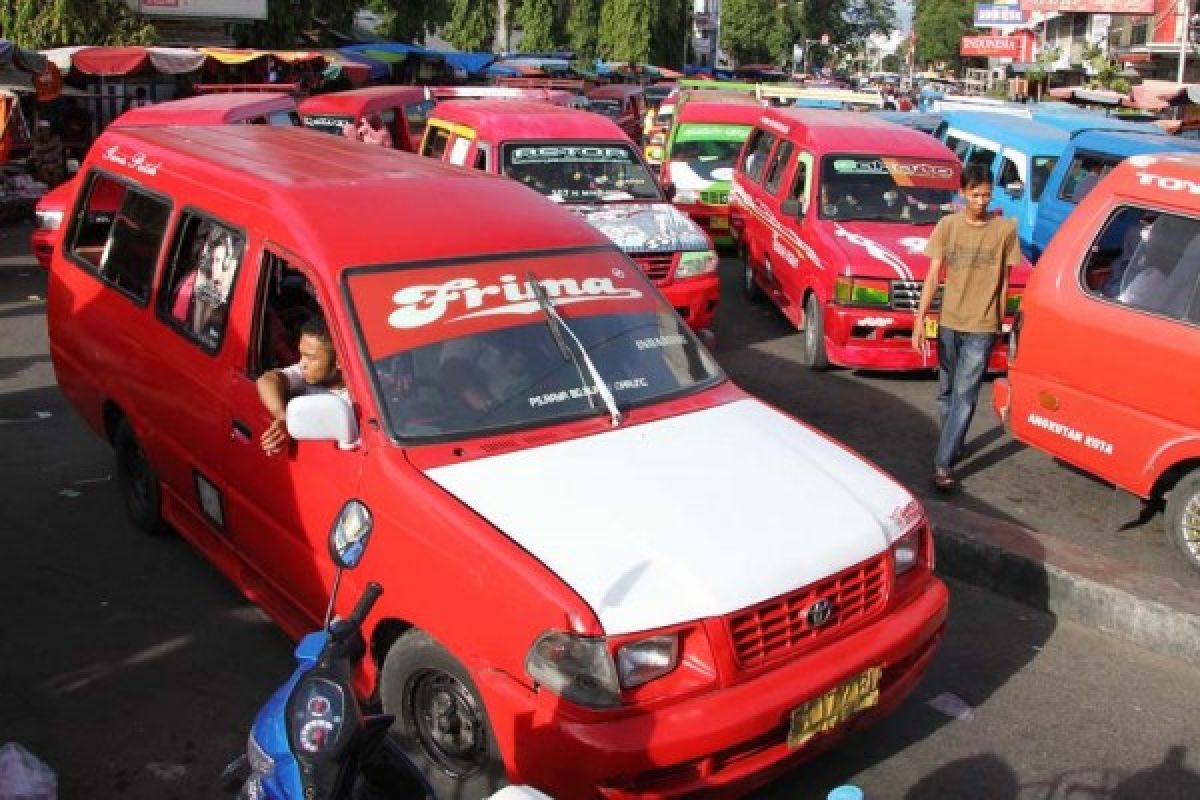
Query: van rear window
column 1147, row 260
column 118, row 233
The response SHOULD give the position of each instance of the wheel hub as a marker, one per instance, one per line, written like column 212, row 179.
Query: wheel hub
column 447, row 722
column 1191, row 525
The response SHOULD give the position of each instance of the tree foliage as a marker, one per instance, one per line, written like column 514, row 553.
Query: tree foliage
column 671, row 34
column 625, row 29
column 412, row 20
column 537, row 21
column 583, row 27
column 288, row 21
column 472, row 25
column 39, row 24
column 940, row 26
column 744, row 25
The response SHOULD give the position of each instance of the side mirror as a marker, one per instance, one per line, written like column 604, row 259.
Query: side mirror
column 349, row 535
column 1014, row 189
column 322, row 417
column 791, row 208
column 669, row 191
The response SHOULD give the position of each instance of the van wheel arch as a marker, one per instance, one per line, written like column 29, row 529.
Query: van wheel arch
column 113, row 416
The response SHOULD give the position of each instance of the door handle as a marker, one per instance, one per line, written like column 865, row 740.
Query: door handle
column 242, row 431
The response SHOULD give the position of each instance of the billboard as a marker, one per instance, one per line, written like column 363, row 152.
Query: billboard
column 998, row 16
column 991, row 46
column 218, row 9
column 1090, row 6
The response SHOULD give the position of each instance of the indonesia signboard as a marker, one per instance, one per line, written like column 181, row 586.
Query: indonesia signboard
column 218, row 9
column 999, row 16
column 991, row 46
column 1090, row 6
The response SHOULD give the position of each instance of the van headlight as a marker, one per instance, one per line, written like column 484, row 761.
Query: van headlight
column 687, row 196
column 641, row 662
column 577, row 668
column 48, row 220
column 906, row 552
column 695, row 263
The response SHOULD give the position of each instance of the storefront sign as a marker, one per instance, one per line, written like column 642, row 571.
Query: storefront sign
column 222, row 9
column 997, row 16
column 991, row 46
column 1090, row 6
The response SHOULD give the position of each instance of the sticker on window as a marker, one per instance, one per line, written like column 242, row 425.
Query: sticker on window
column 903, row 172
column 570, row 154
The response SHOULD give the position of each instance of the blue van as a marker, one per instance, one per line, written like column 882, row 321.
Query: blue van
column 1019, row 152
column 1089, row 156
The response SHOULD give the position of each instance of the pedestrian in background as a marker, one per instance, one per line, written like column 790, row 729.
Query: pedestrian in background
column 974, row 251
column 47, row 161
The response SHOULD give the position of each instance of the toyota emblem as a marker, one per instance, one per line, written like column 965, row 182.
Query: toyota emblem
column 819, row 612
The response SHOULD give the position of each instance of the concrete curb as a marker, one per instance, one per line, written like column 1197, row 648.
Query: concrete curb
column 1053, row 575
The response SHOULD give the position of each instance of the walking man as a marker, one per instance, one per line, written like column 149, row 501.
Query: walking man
column 974, row 252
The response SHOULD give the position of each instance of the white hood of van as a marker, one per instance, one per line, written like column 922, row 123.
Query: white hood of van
column 690, row 517
column 645, row 227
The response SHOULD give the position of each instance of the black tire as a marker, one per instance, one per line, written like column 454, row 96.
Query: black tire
column 814, row 334
column 1182, row 519
column 441, row 723
column 138, row 482
column 750, row 286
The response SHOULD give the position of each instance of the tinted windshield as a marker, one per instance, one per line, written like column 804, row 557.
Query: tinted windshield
column 581, row 172
column 328, row 123
column 609, row 107
column 708, row 150
column 465, row 350
column 887, row 188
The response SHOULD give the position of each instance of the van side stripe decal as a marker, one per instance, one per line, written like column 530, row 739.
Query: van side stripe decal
column 779, row 233
column 876, row 251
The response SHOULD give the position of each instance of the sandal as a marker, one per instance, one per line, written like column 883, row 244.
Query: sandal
column 944, row 480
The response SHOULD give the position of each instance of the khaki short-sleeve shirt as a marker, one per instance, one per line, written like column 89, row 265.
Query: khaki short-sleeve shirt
column 977, row 260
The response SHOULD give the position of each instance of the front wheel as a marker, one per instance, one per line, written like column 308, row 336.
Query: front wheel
column 749, row 284
column 441, row 723
column 138, row 482
column 1183, row 517
column 814, row 334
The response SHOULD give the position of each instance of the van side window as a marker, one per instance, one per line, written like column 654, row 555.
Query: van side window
column 1147, row 260
column 119, row 233
column 435, row 143
column 783, row 154
column 198, row 281
column 459, row 150
column 757, row 150
column 482, row 154
column 1009, row 173
column 415, row 116
column 799, row 189
column 959, row 146
column 286, row 300
column 1040, row 175
column 1085, row 172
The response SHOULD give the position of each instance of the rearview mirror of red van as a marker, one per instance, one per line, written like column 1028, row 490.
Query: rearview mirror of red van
column 322, row 417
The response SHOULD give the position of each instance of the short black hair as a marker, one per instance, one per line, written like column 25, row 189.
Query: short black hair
column 315, row 327
column 975, row 175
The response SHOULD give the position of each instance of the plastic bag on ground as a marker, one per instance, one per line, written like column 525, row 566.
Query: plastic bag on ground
column 23, row 776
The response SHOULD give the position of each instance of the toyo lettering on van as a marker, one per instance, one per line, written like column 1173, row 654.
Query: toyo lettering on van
column 570, row 154
column 135, row 161
column 1070, row 434
column 1168, row 183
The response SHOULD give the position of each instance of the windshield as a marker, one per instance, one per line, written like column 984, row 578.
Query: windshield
column 887, row 188
column 708, row 151
column 581, row 172
column 467, row 350
column 328, row 123
column 609, row 107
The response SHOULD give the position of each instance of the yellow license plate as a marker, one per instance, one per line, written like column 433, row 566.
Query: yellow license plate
column 834, row 707
column 931, row 328
column 718, row 222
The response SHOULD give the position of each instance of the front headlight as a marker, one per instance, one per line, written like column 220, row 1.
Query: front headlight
column 862, row 292
column 641, row 662
column 576, row 668
column 687, row 196
column 695, row 263
column 906, row 552
column 48, row 220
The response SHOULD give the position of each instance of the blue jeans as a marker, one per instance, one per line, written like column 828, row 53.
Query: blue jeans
column 962, row 363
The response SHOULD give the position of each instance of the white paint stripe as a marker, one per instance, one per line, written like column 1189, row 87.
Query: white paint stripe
column 876, row 251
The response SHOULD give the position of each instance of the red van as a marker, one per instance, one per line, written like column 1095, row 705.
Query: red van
column 251, row 108
column 1104, row 356
column 587, row 164
column 624, row 104
column 403, row 109
column 831, row 211
column 534, row 435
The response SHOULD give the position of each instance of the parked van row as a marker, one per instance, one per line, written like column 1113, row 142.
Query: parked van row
column 530, row 429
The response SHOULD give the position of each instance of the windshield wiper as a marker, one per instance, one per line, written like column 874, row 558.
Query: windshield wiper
column 558, row 326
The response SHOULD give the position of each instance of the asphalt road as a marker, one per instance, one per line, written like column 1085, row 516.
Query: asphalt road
column 134, row 669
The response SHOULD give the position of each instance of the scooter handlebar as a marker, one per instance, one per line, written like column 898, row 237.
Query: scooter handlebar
column 365, row 603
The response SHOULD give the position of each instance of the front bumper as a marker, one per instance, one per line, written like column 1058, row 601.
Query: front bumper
column 727, row 740
column 695, row 299
column 42, row 242
column 869, row 338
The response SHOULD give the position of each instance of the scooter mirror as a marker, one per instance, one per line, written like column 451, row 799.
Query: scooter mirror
column 348, row 539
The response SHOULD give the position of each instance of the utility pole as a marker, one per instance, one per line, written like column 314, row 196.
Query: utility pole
column 1184, row 36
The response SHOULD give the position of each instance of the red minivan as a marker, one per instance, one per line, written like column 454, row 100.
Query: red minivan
column 624, row 104
column 231, row 108
column 832, row 211
column 1104, row 368
column 537, row 440
column 403, row 110
column 585, row 163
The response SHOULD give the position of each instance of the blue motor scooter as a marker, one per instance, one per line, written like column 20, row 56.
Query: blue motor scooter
column 312, row 741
